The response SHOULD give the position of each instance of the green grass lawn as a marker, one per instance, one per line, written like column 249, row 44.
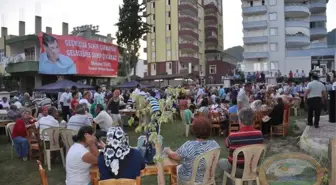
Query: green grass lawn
column 16, row 172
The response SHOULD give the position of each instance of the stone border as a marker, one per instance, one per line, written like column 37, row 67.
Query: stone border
column 262, row 171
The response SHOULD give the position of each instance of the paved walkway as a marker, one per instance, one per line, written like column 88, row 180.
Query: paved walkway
column 315, row 141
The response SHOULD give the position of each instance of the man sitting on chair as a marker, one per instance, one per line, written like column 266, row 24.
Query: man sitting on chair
column 247, row 135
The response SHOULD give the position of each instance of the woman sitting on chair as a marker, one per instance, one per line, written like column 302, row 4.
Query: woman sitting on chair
column 81, row 155
column 275, row 117
column 190, row 150
column 119, row 160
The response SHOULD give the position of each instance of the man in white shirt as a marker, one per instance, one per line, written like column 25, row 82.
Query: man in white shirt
column 242, row 97
column 98, row 96
column 297, row 74
column 65, row 101
column 48, row 121
column 4, row 103
column 137, row 89
column 334, row 85
column 315, row 96
column 79, row 119
column 103, row 119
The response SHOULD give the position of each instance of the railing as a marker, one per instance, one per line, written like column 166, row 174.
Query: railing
column 188, row 3
column 188, row 55
column 188, row 29
column 318, row 31
column 255, row 39
column 192, row 17
column 211, row 26
column 318, row 45
column 210, row 14
column 315, row 18
column 297, row 23
column 187, row 42
column 254, row 9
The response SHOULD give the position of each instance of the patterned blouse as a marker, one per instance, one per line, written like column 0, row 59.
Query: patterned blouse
column 188, row 153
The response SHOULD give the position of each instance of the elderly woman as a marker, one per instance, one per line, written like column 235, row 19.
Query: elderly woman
column 119, row 160
column 188, row 152
column 19, row 134
column 275, row 117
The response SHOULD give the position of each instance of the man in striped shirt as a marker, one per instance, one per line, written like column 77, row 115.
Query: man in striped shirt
column 247, row 135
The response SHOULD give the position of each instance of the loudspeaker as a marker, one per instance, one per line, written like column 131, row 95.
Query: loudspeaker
column 332, row 106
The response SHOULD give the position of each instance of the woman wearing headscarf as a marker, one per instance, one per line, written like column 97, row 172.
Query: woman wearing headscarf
column 119, row 160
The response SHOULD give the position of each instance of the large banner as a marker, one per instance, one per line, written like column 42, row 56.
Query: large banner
column 65, row 55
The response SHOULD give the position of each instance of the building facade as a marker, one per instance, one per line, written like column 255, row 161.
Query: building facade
column 23, row 52
column 184, row 35
column 285, row 35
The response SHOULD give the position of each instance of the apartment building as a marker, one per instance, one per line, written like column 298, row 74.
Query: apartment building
column 285, row 35
column 183, row 33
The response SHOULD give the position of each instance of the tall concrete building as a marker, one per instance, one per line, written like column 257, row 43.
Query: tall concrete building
column 185, row 34
column 285, row 35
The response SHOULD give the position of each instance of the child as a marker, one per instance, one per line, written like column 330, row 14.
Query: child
column 188, row 114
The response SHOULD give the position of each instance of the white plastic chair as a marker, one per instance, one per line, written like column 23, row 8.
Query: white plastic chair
column 66, row 135
column 9, row 129
column 252, row 156
column 211, row 159
column 296, row 106
column 54, row 134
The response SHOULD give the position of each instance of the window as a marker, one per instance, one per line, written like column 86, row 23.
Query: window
column 153, row 54
column 273, row 16
column 153, row 42
column 153, row 17
column 168, row 53
column 167, row 40
column 274, row 65
column 153, row 4
column 153, row 29
column 212, row 69
column 168, row 2
column 256, row 66
column 169, row 65
column 168, row 27
column 168, row 14
column 274, row 47
column 265, row 66
column 154, row 66
column 273, row 31
column 272, row 2
column 251, row 3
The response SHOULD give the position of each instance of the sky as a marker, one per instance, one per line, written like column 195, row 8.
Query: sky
column 105, row 14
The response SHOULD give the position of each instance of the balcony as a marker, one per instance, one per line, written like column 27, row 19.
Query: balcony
column 255, row 10
column 296, row 10
column 297, row 23
column 318, row 32
column 189, row 33
column 211, row 29
column 211, row 39
column 255, row 40
column 189, row 59
column 318, row 45
column 145, row 50
column 188, row 46
column 296, row 41
column 188, row 6
column 211, row 16
column 190, row 20
column 317, row 7
column 255, row 55
column 318, row 18
column 255, row 25
column 210, row 8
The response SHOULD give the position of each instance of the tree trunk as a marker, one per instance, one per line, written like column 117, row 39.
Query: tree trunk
column 159, row 164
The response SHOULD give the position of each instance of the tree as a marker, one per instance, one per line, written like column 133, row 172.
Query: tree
column 131, row 29
column 145, row 115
